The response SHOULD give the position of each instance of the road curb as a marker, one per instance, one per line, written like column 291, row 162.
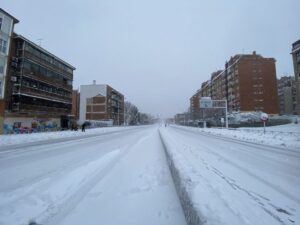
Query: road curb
column 190, row 212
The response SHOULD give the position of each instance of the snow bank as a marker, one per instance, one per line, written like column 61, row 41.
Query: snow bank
column 15, row 139
column 284, row 135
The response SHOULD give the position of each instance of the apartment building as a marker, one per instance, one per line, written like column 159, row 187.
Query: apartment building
column 100, row 102
column 195, row 105
column 75, row 104
column 287, row 95
column 205, row 90
column 296, row 62
column 248, row 83
column 7, row 23
column 38, row 93
column 251, row 83
column 218, row 86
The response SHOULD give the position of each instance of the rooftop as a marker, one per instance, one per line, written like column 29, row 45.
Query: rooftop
column 43, row 50
column 7, row 14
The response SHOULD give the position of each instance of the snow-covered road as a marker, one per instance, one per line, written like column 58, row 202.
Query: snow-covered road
column 235, row 182
column 120, row 175
column 117, row 178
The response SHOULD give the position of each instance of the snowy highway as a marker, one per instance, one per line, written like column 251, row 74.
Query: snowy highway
column 117, row 178
column 124, row 177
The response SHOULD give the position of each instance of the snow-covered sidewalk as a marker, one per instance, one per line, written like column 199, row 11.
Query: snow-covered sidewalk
column 284, row 136
column 227, row 182
column 15, row 139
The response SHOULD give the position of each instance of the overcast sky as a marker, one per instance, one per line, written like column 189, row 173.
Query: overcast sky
column 158, row 52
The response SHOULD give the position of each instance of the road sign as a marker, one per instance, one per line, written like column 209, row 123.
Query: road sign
column 205, row 102
column 264, row 116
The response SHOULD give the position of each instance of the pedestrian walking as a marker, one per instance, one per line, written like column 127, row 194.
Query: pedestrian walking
column 83, row 127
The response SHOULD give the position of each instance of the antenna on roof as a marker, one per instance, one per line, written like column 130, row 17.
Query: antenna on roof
column 40, row 41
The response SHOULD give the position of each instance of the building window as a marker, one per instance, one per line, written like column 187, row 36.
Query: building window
column 3, row 46
column 0, row 22
column 2, row 64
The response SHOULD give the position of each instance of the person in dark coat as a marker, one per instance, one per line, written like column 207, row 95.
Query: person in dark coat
column 83, row 127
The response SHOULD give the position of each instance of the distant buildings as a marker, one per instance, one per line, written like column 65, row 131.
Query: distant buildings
column 248, row 83
column 296, row 61
column 100, row 102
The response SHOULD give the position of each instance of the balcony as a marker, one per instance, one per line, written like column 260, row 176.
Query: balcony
column 47, row 64
column 37, row 109
column 40, row 93
column 48, row 80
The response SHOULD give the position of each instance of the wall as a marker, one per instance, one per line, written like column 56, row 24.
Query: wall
column 17, row 125
column 88, row 91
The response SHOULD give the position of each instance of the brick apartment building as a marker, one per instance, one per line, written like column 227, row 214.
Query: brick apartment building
column 296, row 61
column 195, row 105
column 251, row 84
column 75, row 104
column 38, row 93
column 100, row 102
column 248, row 83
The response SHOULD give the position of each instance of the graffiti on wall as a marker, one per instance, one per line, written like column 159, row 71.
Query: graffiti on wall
column 33, row 126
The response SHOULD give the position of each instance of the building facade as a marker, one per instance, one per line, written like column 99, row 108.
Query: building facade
column 195, row 106
column 75, row 104
column 7, row 23
column 218, row 88
column 38, row 93
column 248, row 83
column 287, row 95
column 100, row 102
column 296, row 62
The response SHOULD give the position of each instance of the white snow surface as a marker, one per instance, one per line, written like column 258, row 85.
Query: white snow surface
column 234, row 182
column 283, row 135
column 117, row 178
column 15, row 139
column 120, row 175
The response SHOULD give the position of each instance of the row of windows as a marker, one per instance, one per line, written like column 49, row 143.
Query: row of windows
column 45, row 72
column 45, row 87
column 258, row 92
column 47, row 58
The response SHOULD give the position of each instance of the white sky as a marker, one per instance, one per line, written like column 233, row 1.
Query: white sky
column 158, row 52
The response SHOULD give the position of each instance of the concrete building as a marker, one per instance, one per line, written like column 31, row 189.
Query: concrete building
column 38, row 93
column 100, row 102
column 7, row 23
column 296, row 62
column 287, row 95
